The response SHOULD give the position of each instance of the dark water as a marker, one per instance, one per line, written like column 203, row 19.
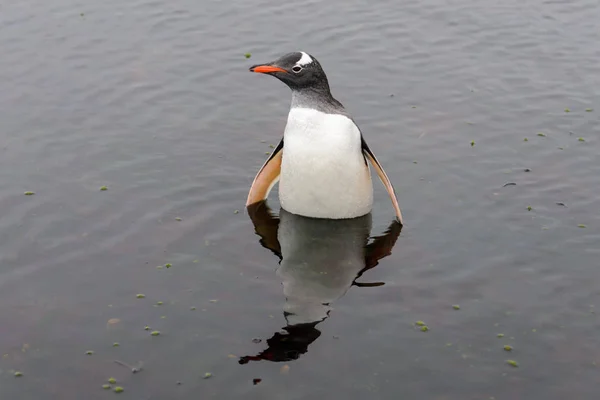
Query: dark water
column 153, row 99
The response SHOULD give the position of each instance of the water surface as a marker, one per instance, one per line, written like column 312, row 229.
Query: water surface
column 154, row 100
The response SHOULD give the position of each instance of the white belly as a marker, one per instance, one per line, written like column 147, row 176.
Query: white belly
column 323, row 171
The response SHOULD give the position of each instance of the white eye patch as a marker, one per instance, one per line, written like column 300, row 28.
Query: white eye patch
column 305, row 59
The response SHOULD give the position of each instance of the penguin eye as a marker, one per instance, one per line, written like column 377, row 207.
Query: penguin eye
column 297, row 68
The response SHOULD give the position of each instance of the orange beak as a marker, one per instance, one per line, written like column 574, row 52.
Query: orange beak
column 265, row 69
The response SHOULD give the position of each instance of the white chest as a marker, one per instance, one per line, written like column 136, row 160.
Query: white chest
column 323, row 171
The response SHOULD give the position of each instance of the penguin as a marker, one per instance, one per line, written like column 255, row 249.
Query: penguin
column 322, row 161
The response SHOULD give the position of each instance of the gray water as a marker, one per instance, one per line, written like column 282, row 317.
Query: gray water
column 153, row 99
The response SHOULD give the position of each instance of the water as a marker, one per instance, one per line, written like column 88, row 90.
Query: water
column 154, row 100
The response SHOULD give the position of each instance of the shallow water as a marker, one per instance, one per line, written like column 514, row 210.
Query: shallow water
column 154, row 100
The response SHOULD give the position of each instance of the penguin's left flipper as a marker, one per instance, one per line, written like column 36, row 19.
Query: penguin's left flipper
column 383, row 176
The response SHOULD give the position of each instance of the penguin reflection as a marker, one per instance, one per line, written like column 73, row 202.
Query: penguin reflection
column 320, row 259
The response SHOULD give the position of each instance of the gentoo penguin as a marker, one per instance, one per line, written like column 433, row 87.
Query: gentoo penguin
column 321, row 161
column 320, row 259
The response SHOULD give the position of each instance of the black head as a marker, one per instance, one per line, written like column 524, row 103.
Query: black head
column 298, row 70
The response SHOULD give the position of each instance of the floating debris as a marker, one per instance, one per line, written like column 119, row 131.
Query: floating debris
column 207, row 375
column 581, row 139
column 119, row 389
column 589, row 109
column 18, row 374
column 541, row 134
column 500, row 335
column 89, row 352
column 159, row 303
column 420, row 323
column 529, row 208
column 106, row 386
column 581, row 226
column 472, row 143
column 103, row 188
column 193, row 308
column 140, row 295
column 146, row 328
column 567, row 110
column 28, row 193
column 526, row 170
column 116, row 344
column 256, row 381
column 159, row 267
column 509, row 184
column 285, row 369
column 526, row 140
column 168, row 265
column 561, row 204
column 112, row 381
column 507, row 347
column 424, row 328
column 512, row 363
column 456, row 307
column 256, row 340
column 236, row 212
column 113, row 321
column 155, row 333
column 247, row 55
column 133, row 369
column 214, row 301
column 178, row 219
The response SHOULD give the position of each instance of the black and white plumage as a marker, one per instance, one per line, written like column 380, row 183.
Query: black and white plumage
column 321, row 163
